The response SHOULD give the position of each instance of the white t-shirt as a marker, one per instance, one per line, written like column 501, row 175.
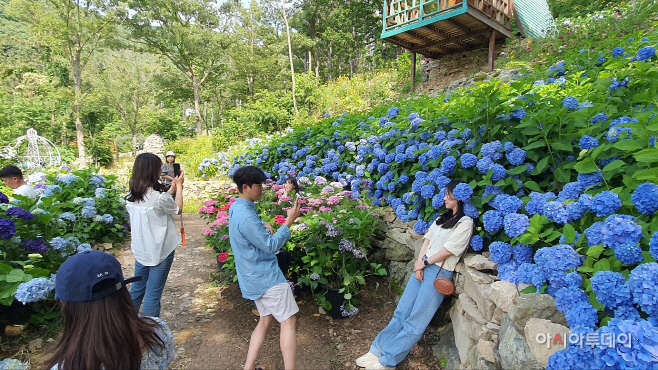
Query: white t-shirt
column 152, row 228
column 455, row 240
column 26, row 190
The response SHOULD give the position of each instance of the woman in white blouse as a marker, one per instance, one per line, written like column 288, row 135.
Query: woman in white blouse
column 445, row 241
column 153, row 232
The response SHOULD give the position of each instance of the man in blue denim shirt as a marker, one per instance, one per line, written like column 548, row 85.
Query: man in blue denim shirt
column 254, row 247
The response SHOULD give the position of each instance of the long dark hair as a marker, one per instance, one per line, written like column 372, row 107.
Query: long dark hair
column 447, row 220
column 146, row 175
column 294, row 183
column 104, row 333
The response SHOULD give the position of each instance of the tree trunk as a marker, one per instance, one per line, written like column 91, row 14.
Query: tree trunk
column 77, row 86
column 353, row 62
column 197, row 105
column 292, row 67
column 330, row 65
column 205, row 116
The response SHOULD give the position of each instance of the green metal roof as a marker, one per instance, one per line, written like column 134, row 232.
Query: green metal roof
column 536, row 17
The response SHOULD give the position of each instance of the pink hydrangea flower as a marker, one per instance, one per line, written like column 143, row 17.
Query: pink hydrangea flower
column 361, row 206
column 208, row 231
column 324, row 209
column 333, row 200
column 209, row 203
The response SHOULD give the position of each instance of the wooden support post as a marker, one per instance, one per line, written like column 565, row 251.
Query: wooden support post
column 516, row 18
column 413, row 72
column 492, row 48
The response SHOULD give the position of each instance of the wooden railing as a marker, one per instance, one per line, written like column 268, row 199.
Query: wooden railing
column 401, row 13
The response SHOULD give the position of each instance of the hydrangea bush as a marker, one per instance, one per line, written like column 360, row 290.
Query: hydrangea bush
column 561, row 171
column 329, row 242
column 73, row 210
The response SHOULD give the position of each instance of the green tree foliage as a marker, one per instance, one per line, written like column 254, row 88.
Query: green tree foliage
column 76, row 29
column 186, row 33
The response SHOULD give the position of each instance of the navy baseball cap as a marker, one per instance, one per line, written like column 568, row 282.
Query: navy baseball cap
column 77, row 276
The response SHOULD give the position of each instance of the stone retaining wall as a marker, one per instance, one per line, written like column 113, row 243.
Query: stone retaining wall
column 490, row 324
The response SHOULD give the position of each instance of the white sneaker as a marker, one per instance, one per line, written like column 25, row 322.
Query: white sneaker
column 378, row 366
column 366, row 359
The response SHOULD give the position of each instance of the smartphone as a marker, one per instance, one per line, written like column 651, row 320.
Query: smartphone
column 176, row 169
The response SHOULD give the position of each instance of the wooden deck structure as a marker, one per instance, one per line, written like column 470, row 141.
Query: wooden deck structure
column 439, row 27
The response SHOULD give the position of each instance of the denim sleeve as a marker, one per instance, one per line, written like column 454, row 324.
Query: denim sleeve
column 251, row 227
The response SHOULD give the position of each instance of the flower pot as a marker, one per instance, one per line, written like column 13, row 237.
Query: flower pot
column 336, row 299
column 220, row 265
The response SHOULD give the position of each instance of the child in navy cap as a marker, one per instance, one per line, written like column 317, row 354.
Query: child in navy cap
column 103, row 329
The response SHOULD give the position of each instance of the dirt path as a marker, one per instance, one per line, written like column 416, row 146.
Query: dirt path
column 212, row 324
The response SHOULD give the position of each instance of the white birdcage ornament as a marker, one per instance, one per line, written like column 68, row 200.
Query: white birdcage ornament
column 39, row 153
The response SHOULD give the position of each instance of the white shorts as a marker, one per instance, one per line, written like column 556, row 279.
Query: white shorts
column 278, row 301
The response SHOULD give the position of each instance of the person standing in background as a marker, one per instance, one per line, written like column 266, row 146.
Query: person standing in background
column 154, row 236
column 12, row 176
column 167, row 176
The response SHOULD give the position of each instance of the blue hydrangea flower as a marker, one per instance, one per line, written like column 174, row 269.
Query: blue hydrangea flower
column 7, row 228
column 437, row 200
column 617, row 52
column 582, row 315
column 88, row 212
column 599, row 117
column 518, row 114
column 627, row 313
column 420, row 227
column 35, row 246
column 463, row 192
column 571, row 190
column 19, row 212
column 555, row 261
column 34, row 290
column 525, row 273
column 52, row 190
column 588, row 142
column 477, row 243
column 590, row 179
column 471, row 211
column 605, row 203
column 66, row 179
column 97, row 180
column 516, row 156
column 506, row 203
column 500, row 252
column 645, row 53
column 653, row 246
column 575, row 210
column 484, row 165
column 629, row 254
column 58, row 243
column 570, row 102
column 100, row 193
column 493, row 220
column 593, row 234
column 492, row 150
column 565, row 298
column 523, row 253
column 84, row 247
column 499, row 172
column 515, row 224
column 644, row 294
column 611, row 289
column 393, row 112
column 507, row 271
column 68, row 216
column 619, row 229
column 448, row 164
column 556, row 212
column 427, row 191
column 645, row 198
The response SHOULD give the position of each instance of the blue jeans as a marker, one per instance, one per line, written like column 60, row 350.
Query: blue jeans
column 149, row 289
column 414, row 312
